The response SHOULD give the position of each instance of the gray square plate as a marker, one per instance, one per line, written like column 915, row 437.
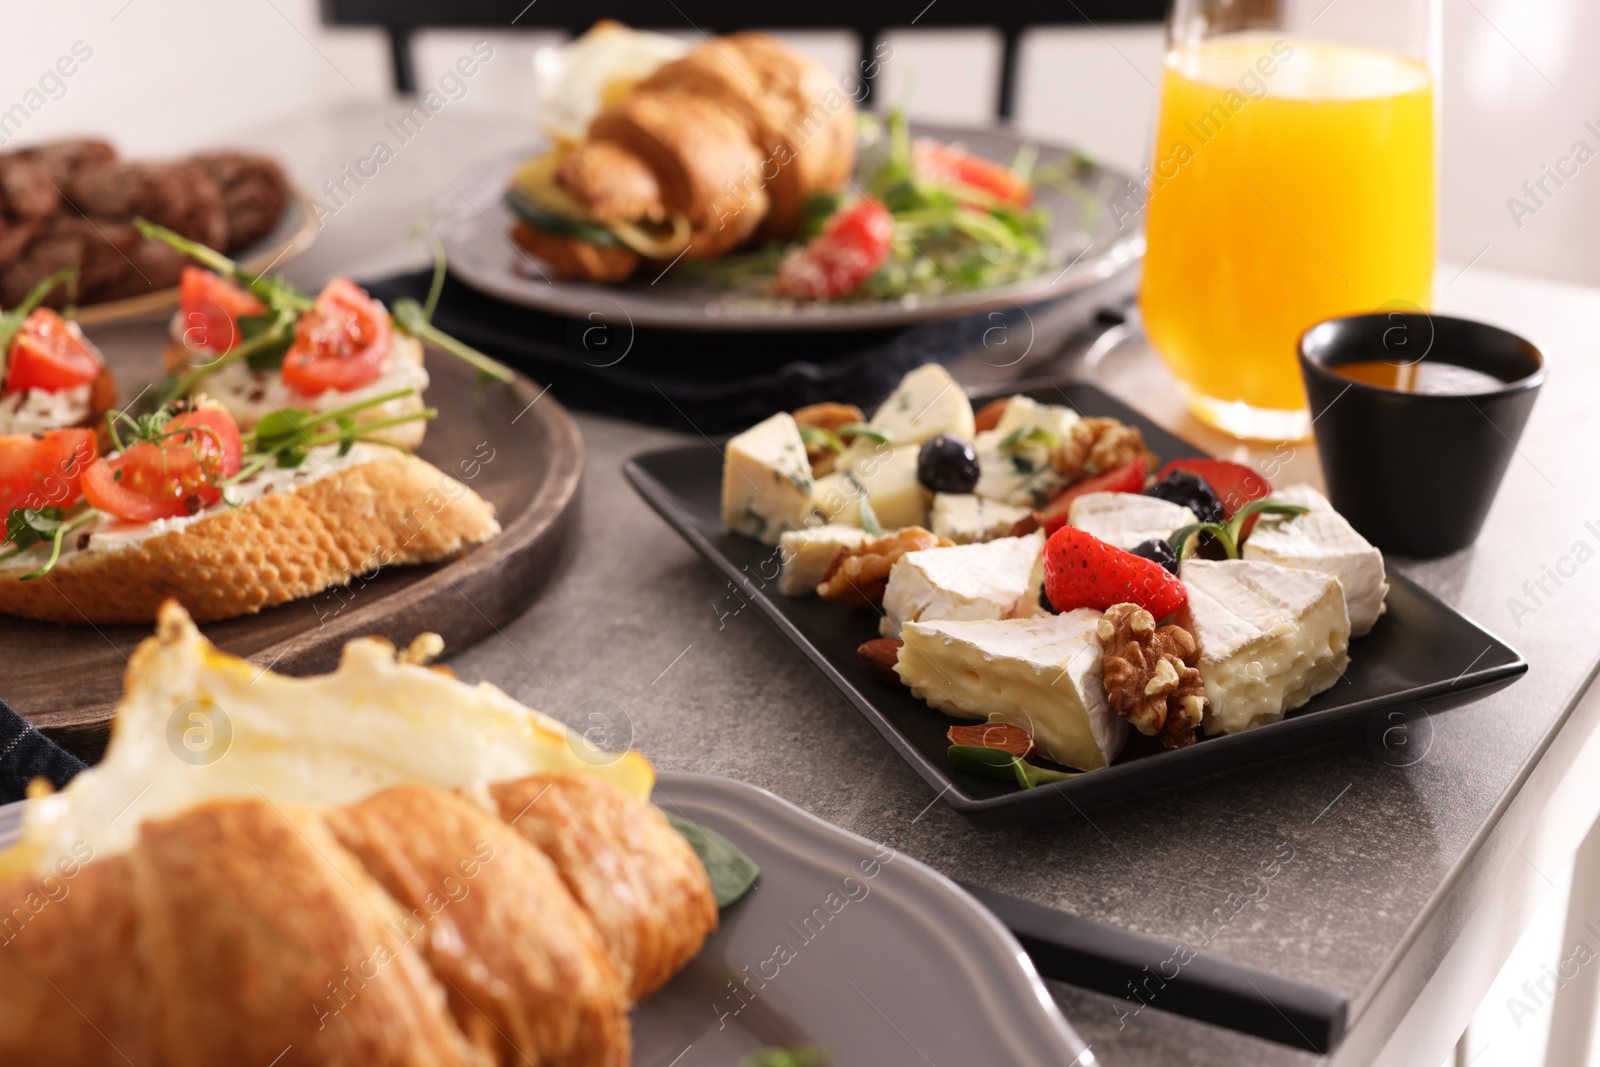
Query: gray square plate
column 1412, row 658
column 844, row 945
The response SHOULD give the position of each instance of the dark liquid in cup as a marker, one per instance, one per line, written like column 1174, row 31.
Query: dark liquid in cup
column 1442, row 379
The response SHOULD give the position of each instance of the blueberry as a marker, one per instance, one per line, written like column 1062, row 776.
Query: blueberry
column 1044, row 602
column 948, row 465
column 1190, row 490
column 1160, row 552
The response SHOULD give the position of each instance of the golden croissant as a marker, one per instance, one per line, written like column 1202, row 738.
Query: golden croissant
column 446, row 919
column 727, row 143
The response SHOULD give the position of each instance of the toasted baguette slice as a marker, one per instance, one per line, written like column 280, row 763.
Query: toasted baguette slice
column 251, row 395
column 389, row 508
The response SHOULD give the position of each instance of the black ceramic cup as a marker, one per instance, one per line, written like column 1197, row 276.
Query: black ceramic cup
column 1415, row 472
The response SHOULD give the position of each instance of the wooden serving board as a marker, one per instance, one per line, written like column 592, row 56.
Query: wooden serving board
column 515, row 446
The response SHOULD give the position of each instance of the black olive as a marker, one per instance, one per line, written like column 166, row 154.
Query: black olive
column 1190, row 490
column 1160, row 552
column 948, row 464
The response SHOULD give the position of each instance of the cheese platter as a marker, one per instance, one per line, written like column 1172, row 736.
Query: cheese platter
column 1036, row 614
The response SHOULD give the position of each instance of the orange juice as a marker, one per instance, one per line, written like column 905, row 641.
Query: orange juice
column 1292, row 182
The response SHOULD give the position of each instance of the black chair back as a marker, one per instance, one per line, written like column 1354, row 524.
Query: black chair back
column 401, row 19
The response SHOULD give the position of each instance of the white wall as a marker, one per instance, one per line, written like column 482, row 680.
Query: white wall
column 1519, row 85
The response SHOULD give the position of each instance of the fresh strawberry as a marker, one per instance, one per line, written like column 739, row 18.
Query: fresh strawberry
column 1128, row 478
column 1082, row 571
column 1234, row 483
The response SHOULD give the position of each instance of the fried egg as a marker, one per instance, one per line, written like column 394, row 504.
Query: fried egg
column 575, row 82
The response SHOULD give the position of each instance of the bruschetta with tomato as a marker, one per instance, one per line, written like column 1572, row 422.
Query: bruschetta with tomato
column 184, row 504
column 257, row 345
column 51, row 376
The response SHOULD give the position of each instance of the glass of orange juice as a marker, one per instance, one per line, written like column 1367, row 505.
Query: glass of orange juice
column 1292, row 182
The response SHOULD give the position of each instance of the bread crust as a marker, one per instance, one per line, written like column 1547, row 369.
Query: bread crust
column 573, row 257
column 281, row 547
column 633, row 873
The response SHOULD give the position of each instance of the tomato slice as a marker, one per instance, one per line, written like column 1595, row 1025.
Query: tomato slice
column 49, row 354
column 951, row 166
column 43, row 470
column 209, row 309
column 1128, row 478
column 340, row 344
column 845, row 254
column 179, row 476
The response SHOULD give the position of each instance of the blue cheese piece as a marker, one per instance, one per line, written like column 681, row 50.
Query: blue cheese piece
column 925, row 404
column 967, row 518
column 887, row 479
column 1014, row 457
column 766, row 480
column 805, row 555
column 1323, row 540
column 1127, row 520
column 1042, row 674
column 1270, row 638
column 985, row 581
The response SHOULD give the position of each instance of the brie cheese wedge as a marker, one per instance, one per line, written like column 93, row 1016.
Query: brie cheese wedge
column 1270, row 638
column 1323, row 540
column 766, row 480
column 925, row 404
column 887, row 478
column 967, row 518
column 1127, row 520
column 984, row 581
column 1042, row 674
column 805, row 555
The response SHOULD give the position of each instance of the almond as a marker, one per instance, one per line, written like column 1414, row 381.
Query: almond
column 881, row 654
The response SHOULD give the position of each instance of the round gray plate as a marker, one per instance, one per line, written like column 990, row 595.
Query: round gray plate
column 1086, row 242
column 844, row 945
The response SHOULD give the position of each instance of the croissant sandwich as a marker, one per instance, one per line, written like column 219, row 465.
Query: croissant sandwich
column 723, row 144
column 379, row 866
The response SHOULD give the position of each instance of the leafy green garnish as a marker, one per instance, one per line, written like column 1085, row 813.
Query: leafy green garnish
column 732, row 873
column 1228, row 533
column 1028, row 435
column 274, row 292
column 417, row 320
column 271, row 337
column 559, row 225
column 803, row 1056
column 861, row 429
column 819, row 208
column 26, row 527
column 821, row 437
column 285, row 436
column 11, row 321
column 997, row 763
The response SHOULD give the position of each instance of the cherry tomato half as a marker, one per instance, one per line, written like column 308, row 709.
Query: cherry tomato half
column 340, row 344
column 951, row 166
column 209, row 309
column 43, row 470
column 845, row 254
column 179, row 476
column 49, row 354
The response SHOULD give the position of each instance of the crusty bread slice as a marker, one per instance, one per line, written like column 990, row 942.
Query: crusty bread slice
column 573, row 257
column 248, row 409
column 396, row 509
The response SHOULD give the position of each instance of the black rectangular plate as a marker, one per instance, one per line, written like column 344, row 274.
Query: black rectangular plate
column 1413, row 658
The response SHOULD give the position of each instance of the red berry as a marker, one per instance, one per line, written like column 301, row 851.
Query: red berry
column 1082, row 571
column 1234, row 483
column 1128, row 478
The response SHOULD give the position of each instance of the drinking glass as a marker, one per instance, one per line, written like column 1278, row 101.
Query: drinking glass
column 1292, row 182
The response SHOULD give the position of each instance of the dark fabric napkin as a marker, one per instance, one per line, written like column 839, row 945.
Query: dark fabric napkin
column 713, row 382
column 26, row 754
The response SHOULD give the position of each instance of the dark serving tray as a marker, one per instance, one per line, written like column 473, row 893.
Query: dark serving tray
column 1421, row 653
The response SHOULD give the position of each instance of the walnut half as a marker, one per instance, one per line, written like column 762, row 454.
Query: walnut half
column 860, row 575
column 1094, row 446
column 1150, row 674
column 826, row 416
